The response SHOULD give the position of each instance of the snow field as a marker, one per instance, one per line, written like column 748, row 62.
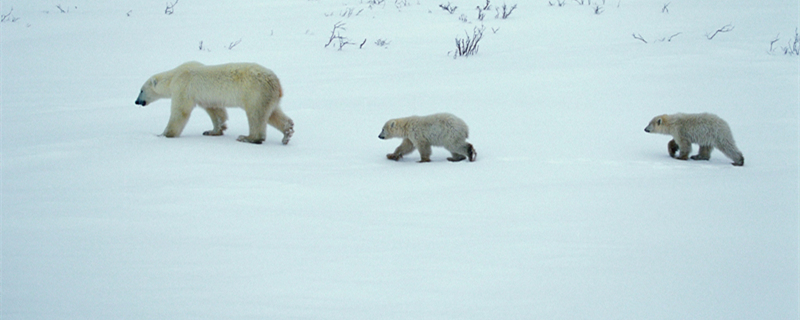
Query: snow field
column 570, row 211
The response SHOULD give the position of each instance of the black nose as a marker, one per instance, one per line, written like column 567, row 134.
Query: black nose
column 140, row 102
column 380, row 136
column 645, row 130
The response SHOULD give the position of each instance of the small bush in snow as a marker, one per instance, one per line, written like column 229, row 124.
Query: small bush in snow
column 340, row 40
column 8, row 17
column 447, row 7
column 505, row 12
column 468, row 46
column 170, row 8
column 481, row 15
column 793, row 49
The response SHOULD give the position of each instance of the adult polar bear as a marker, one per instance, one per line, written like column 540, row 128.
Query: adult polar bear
column 246, row 85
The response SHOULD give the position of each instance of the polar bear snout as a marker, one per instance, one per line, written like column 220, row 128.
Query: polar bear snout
column 140, row 99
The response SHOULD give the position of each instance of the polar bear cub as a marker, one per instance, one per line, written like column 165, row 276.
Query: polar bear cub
column 247, row 85
column 441, row 129
column 705, row 129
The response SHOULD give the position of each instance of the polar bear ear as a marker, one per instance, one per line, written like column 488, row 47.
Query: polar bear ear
column 658, row 122
column 391, row 124
column 153, row 82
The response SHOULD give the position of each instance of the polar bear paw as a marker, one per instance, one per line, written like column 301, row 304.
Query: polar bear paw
column 250, row 140
column 287, row 134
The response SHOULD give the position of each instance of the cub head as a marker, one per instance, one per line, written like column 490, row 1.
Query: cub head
column 657, row 125
column 152, row 90
column 390, row 130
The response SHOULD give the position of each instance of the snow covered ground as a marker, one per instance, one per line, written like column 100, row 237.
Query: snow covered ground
column 571, row 210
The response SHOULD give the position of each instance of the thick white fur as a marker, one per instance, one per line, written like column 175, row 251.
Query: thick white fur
column 441, row 129
column 705, row 129
column 247, row 85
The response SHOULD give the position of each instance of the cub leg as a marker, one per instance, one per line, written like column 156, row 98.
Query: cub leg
column 424, row 151
column 283, row 123
column 685, row 147
column 672, row 148
column 704, row 154
column 731, row 151
column 405, row 148
column 459, row 152
column 219, row 117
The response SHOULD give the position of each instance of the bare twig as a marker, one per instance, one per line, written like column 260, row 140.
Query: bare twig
column 673, row 36
column 8, row 16
column 506, row 11
column 771, row 43
column 448, row 8
column 726, row 28
column 481, row 15
column 234, row 44
column 793, row 48
column 598, row 9
column 665, row 9
column 639, row 37
column 61, row 9
column 336, row 35
column 170, row 8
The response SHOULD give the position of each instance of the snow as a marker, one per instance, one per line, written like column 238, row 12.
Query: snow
column 571, row 210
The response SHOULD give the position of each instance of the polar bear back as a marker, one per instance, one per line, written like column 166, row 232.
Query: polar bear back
column 226, row 85
column 439, row 129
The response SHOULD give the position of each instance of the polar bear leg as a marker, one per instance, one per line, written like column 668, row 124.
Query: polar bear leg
column 181, row 110
column 424, row 151
column 704, row 154
column 258, row 125
column 672, row 148
column 405, row 148
column 459, row 152
column 283, row 123
column 684, row 149
column 219, row 117
column 731, row 151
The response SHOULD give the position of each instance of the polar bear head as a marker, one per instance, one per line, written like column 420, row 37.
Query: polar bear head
column 390, row 130
column 155, row 88
column 658, row 125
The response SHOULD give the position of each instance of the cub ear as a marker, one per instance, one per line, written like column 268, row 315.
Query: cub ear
column 153, row 82
column 391, row 124
column 658, row 122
